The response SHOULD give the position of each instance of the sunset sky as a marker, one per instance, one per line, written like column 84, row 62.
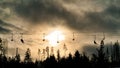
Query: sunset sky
column 58, row 20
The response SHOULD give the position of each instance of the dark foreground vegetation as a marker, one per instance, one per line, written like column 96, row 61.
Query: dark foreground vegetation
column 104, row 58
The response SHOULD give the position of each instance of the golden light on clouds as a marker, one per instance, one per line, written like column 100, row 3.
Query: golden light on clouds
column 55, row 37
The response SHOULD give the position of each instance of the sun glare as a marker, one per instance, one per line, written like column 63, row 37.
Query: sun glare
column 55, row 37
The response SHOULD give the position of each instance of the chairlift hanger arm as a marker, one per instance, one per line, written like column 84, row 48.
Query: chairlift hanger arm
column 43, row 36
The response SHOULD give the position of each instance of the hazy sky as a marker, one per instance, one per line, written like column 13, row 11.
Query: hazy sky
column 35, row 17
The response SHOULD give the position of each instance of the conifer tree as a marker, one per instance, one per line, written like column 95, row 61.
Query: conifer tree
column 28, row 56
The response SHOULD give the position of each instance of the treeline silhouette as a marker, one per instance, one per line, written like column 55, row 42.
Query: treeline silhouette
column 104, row 58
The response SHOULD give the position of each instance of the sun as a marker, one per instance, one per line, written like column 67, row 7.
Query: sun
column 55, row 37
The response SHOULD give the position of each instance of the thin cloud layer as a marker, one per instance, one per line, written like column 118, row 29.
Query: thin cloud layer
column 7, row 27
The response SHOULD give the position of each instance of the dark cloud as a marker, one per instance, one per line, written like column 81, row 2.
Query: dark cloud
column 41, row 11
column 4, row 30
column 114, row 11
column 105, row 21
column 3, row 26
column 100, row 22
column 110, row 17
column 7, row 24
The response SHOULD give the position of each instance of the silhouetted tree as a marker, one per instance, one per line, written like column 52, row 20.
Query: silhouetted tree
column 47, row 50
column 100, row 59
column 85, row 58
column 17, row 58
column 107, row 55
column 77, row 59
column 101, row 54
column 50, row 62
column 28, row 56
column 70, row 56
column 77, row 56
column 58, row 55
column 69, row 59
column 116, row 53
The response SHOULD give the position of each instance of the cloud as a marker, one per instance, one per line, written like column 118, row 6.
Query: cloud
column 5, row 27
column 4, row 30
column 97, row 16
column 38, row 11
column 114, row 11
column 108, row 19
column 41, row 11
